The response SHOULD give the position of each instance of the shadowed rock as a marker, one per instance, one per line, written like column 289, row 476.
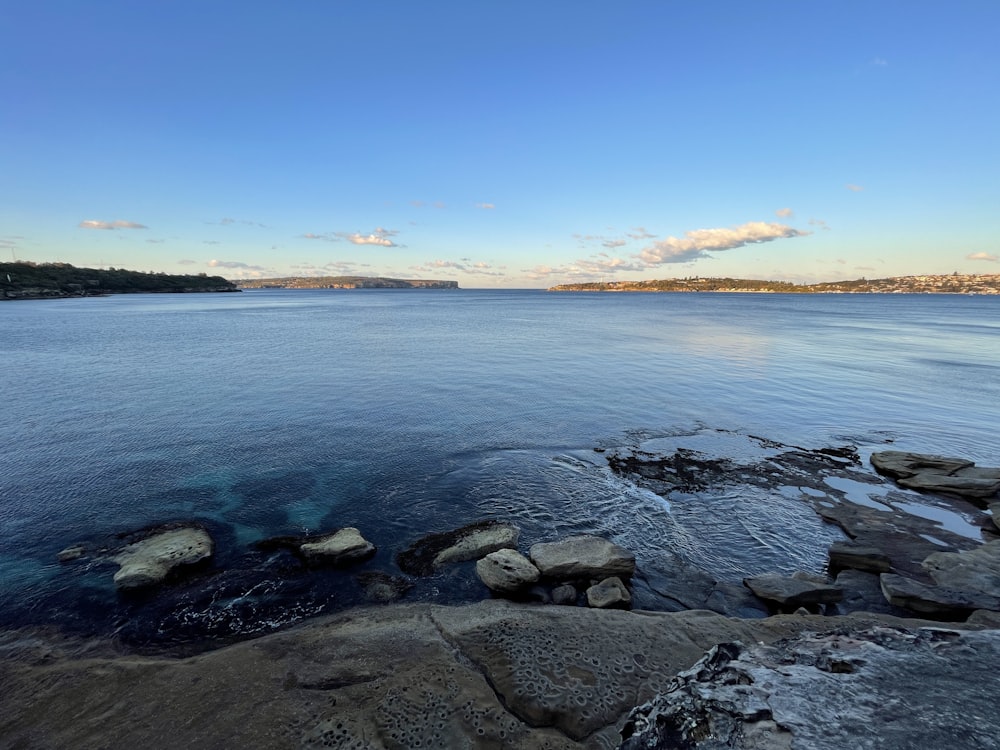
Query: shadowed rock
column 469, row 542
column 936, row 601
column 858, row 557
column 791, row 593
column 610, row 592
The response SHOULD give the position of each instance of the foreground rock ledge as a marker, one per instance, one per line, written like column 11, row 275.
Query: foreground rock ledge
column 491, row 674
column 883, row 687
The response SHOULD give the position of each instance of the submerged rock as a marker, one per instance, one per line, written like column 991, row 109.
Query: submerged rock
column 828, row 692
column 382, row 587
column 469, row 542
column 150, row 560
column 71, row 553
column 582, row 557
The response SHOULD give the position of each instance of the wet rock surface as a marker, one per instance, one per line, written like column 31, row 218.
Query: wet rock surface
column 932, row 473
column 469, row 542
column 833, row 690
column 161, row 552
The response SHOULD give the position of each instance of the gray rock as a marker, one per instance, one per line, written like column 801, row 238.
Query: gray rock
column 858, row 557
column 507, row 571
column 471, row 542
column 149, row 561
column 478, row 543
column 930, row 473
column 491, row 674
column 610, row 592
column 863, row 593
column 564, row 594
column 995, row 514
column 582, row 557
column 933, row 600
column 898, row 464
column 791, row 593
column 339, row 547
column 956, row 484
column 828, row 692
column 976, row 570
column 382, row 587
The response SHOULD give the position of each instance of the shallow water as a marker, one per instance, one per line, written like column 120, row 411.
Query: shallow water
column 405, row 412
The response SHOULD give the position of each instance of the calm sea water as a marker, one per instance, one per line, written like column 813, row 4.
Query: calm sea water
column 406, row 412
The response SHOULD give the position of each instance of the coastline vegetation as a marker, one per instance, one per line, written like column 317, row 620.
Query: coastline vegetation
column 27, row 280
column 929, row 284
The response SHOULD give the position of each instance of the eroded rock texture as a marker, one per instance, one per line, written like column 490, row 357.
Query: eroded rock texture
column 881, row 687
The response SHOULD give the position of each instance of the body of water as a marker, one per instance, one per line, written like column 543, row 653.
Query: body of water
column 407, row 412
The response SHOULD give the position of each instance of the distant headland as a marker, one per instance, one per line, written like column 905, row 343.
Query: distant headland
column 26, row 280
column 955, row 283
column 344, row 282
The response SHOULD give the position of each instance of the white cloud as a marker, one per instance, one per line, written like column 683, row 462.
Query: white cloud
column 818, row 223
column 156, row 242
column 983, row 256
column 614, row 243
column 117, row 224
column 186, row 262
column 210, row 242
column 485, row 205
column 695, row 244
column 233, row 264
column 379, row 237
column 480, row 268
column 880, row 61
column 326, row 236
column 854, row 188
column 784, row 213
column 640, row 233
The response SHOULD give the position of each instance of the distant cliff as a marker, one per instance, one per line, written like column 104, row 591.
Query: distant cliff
column 930, row 284
column 25, row 280
column 345, row 282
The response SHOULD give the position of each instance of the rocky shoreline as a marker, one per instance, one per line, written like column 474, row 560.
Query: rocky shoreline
column 900, row 593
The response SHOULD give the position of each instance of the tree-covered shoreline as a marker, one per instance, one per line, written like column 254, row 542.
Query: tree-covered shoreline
column 927, row 284
column 27, row 280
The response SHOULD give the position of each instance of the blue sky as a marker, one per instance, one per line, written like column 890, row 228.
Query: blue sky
column 513, row 144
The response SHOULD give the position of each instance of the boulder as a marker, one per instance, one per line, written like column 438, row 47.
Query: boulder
column 564, row 594
column 507, row 571
column 469, row 542
column 791, row 593
column 829, row 691
column 149, row 561
column 995, row 514
column 976, row 570
column 936, row 601
column 337, row 548
column 582, row 557
column 610, row 592
column 858, row 557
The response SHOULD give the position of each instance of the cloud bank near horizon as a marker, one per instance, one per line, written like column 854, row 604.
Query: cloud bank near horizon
column 110, row 225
